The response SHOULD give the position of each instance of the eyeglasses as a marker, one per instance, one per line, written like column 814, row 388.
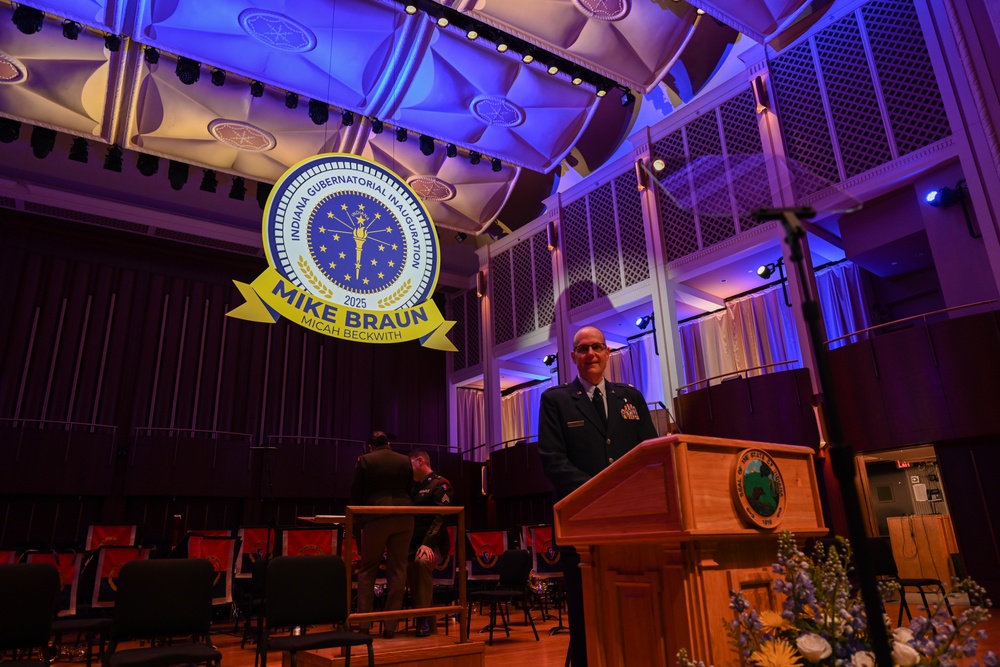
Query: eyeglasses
column 584, row 349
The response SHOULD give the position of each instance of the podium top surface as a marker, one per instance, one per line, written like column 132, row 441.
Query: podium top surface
column 686, row 487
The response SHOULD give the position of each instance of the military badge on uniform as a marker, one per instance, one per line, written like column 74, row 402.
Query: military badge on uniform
column 630, row 413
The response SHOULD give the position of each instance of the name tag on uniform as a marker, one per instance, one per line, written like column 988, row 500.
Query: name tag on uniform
column 575, row 424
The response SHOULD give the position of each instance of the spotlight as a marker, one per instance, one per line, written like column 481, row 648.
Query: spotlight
column 43, row 140
column 528, row 56
column 460, row 237
column 659, row 165
column 495, row 164
column 550, row 359
column 577, row 77
column 643, row 321
column 28, row 19
column 442, row 21
column 71, row 29
column 319, row 112
column 147, row 164
column 475, row 157
column 79, row 151
column 377, row 126
column 765, row 271
column 943, row 197
column 602, row 90
column 112, row 43
column 400, row 134
column 426, row 144
column 177, row 174
column 263, row 191
column 218, row 77
column 628, row 99
column 10, row 130
column 472, row 33
column 188, row 71
column 238, row 189
column 552, row 69
column 256, row 88
column 347, row 118
column 502, row 45
column 411, row 8
column 113, row 160
column 291, row 101
column 451, row 150
column 208, row 181
column 151, row 55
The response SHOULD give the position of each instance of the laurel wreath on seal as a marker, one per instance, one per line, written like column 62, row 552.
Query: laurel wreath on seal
column 322, row 289
column 395, row 296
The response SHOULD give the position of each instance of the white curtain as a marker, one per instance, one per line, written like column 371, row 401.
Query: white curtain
column 759, row 329
column 519, row 412
column 639, row 366
column 471, row 423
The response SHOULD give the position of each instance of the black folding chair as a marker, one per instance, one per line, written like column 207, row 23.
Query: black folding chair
column 303, row 591
column 515, row 568
column 29, row 592
column 160, row 599
column 884, row 565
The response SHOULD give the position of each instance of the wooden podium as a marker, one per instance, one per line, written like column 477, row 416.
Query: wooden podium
column 669, row 529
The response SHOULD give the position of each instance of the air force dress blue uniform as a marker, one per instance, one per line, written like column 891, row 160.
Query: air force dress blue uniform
column 574, row 445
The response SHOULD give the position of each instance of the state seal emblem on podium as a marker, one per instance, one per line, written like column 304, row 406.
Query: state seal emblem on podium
column 353, row 254
column 758, row 489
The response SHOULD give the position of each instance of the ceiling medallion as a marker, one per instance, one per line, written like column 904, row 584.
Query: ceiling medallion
column 497, row 110
column 11, row 69
column 277, row 30
column 431, row 188
column 604, row 10
column 241, row 135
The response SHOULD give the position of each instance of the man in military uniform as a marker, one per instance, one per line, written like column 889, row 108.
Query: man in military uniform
column 584, row 426
column 382, row 477
column 430, row 540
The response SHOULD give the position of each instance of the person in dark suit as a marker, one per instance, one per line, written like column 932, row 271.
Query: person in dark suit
column 383, row 477
column 584, row 426
column 430, row 541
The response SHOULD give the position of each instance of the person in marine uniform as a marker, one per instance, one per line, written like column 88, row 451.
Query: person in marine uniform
column 383, row 477
column 430, row 542
column 584, row 427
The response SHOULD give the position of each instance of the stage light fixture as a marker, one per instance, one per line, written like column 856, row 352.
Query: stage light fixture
column 112, row 43
column 602, row 89
column 576, row 77
column 238, row 190
column 628, row 99
column 411, row 8
column 218, row 77
column 502, row 45
column 400, row 134
column 451, row 150
column 659, row 165
column 643, row 321
column 43, row 140
column 177, row 174
column 79, row 151
column 10, row 130
column 442, row 21
column 552, row 69
column 377, row 126
column 472, row 33
column 188, row 71
column 151, row 55
column 460, row 237
column 550, row 359
column 765, row 271
column 71, row 29
column 147, row 164
column 528, row 56
column 426, row 144
column 113, row 159
column 347, row 118
column 28, row 19
column 256, row 88
column 291, row 100
column 319, row 112
column 209, row 182
column 943, row 197
column 263, row 192
column 496, row 164
column 475, row 157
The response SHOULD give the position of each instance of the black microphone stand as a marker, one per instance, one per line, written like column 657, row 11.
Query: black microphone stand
column 841, row 454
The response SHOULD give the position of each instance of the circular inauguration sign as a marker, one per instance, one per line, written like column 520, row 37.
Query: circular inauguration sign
column 758, row 489
column 351, row 232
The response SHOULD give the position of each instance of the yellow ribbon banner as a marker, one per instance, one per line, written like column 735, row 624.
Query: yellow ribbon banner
column 270, row 296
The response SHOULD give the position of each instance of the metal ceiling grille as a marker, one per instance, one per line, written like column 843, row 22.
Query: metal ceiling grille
column 502, row 297
column 850, row 92
column 903, row 66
